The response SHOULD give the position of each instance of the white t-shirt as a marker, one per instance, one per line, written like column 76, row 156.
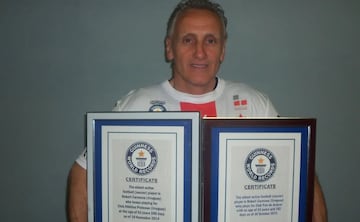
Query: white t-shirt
column 228, row 99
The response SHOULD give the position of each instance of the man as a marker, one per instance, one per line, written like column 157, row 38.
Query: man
column 195, row 46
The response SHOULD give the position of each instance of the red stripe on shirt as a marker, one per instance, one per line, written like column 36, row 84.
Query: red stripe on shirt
column 205, row 109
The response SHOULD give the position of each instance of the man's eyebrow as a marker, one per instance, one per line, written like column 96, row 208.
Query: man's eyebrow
column 217, row 36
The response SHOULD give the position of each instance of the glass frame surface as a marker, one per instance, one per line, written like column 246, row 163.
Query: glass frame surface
column 224, row 162
column 107, row 157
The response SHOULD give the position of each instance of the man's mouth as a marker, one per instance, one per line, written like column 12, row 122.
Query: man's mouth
column 199, row 66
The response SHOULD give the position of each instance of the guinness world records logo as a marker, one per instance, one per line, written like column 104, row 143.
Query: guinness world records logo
column 260, row 165
column 141, row 158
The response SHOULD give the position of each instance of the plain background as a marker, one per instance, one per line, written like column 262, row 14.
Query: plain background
column 60, row 59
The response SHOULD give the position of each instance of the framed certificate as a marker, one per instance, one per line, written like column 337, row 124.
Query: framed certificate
column 143, row 166
column 258, row 169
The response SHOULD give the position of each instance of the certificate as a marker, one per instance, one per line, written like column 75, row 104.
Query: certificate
column 258, row 169
column 143, row 166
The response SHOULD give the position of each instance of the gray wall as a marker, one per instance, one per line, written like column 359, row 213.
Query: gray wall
column 60, row 59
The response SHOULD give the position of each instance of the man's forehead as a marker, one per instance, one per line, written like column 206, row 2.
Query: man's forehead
column 195, row 14
column 198, row 18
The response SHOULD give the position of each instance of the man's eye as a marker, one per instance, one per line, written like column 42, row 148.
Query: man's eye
column 211, row 41
column 188, row 40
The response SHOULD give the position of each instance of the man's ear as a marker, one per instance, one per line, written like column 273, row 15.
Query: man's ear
column 168, row 50
column 222, row 56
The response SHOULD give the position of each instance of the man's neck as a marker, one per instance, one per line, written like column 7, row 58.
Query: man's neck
column 194, row 89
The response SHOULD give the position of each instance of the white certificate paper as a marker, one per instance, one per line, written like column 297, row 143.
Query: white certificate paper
column 250, row 192
column 155, row 195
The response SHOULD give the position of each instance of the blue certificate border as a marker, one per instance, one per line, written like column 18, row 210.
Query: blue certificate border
column 306, row 127
column 97, row 125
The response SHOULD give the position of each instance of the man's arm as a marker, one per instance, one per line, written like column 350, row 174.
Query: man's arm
column 77, row 195
column 319, row 209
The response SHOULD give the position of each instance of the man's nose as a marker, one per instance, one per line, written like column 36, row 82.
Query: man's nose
column 200, row 52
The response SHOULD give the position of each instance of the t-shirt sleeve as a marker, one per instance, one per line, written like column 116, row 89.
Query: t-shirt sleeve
column 261, row 105
column 123, row 102
column 82, row 158
column 270, row 109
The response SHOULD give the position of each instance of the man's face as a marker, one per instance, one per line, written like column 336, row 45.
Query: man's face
column 196, row 47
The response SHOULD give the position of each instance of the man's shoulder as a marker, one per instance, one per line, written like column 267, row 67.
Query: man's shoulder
column 244, row 91
column 248, row 99
column 146, row 91
column 157, row 87
column 138, row 97
column 238, row 87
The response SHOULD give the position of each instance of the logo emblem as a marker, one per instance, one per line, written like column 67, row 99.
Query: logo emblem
column 260, row 165
column 157, row 106
column 141, row 158
column 239, row 104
